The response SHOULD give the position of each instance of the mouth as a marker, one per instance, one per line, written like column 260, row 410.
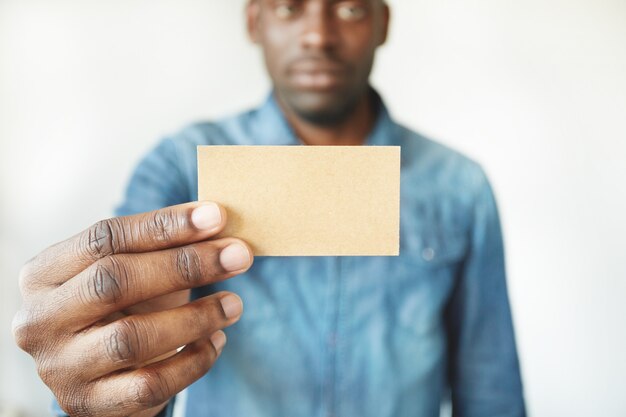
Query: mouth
column 317, row 75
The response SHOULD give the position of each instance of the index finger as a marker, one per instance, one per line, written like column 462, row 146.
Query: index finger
column 146, row 232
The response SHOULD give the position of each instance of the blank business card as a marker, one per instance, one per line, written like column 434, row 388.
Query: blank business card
column 306, row 200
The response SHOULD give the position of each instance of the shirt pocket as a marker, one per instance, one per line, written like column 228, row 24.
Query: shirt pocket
column 432, row 233
column 432, row 251
column 433, row 246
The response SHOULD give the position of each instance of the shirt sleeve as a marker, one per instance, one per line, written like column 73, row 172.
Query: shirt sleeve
column 484, row 369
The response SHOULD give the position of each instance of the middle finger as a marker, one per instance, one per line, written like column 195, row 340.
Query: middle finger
column 120, row 281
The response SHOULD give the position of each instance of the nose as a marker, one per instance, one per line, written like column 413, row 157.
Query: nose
column 319, row 30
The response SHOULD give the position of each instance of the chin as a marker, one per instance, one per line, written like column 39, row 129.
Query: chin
column 323, row 108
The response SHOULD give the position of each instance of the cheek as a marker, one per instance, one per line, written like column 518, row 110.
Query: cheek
column 276, row 45
column 274, row 39
column 359, row 44
column 282, row 33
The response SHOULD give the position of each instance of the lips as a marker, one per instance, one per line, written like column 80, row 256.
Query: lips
column 317, row 74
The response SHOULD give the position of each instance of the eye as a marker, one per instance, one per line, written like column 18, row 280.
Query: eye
column 285, row 10
column 351, row 12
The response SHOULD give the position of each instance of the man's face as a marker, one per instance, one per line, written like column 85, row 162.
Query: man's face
column 319, row 53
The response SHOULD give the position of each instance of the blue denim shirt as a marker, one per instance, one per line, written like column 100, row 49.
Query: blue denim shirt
column 359, row 336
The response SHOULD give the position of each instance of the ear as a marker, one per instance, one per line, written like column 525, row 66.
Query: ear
column 384, row 29
column 253, row 10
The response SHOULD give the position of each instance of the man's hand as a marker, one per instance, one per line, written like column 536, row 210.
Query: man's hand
column 106, row 310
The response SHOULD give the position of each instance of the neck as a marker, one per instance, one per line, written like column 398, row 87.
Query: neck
column 353, row 130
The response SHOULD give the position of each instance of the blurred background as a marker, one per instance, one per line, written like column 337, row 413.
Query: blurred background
column 533, row 89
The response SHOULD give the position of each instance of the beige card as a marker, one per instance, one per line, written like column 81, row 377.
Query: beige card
column 306, row 200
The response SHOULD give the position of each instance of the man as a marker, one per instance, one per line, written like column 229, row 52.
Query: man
column 106, row 310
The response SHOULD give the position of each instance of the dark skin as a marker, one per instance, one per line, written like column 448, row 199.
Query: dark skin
column 319, row 55
column 105, row 311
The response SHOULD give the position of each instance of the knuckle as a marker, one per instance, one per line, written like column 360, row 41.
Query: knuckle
column 48, row 370
column 163, row 224
column 21, row 329
column 121, row 343
column 101, row 238
column 25, row 278
column 75, row 403
column 107, row 281
column 188, row 265
column 28, row 329
column 151, row 388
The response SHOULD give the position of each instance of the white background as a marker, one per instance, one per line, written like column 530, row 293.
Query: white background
column 533, row 89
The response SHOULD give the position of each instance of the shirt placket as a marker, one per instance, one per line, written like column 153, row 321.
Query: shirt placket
column 332, row 351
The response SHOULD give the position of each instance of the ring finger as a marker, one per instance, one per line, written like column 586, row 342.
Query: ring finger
column 136, row 339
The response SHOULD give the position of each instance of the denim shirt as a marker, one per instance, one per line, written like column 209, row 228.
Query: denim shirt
column 359, row 336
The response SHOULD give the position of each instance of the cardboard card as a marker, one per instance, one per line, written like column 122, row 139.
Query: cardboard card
column 306, row 200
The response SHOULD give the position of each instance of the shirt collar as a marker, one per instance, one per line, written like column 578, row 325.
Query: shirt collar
column 270, row 126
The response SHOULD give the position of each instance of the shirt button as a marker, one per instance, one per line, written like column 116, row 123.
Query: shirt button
column 428, row 254
column 332, row 340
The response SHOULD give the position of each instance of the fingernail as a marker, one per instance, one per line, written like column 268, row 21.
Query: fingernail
column 219, row 340
column 234, row 257
column 232, row 305
column 206, row 217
